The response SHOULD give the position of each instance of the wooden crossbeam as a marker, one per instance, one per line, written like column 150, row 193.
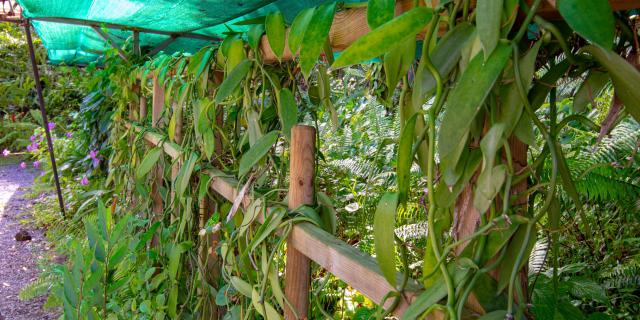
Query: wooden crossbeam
column 358, row 270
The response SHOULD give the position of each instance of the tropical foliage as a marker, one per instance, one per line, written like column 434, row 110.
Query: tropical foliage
column 507, row 139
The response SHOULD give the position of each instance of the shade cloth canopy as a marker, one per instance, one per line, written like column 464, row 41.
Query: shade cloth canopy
column 65, row 26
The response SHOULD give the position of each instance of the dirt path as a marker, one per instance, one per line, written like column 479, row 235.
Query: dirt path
column 18, row 259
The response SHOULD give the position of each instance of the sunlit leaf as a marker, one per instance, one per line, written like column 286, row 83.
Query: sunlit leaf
column 592, row 19
column 274, row 25
column 315, row 36
column 382, row 39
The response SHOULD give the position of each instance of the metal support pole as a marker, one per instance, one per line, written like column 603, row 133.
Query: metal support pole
column 45, row 121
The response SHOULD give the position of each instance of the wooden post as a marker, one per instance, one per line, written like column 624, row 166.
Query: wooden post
column 175, row 168
column 301, row 192
column 158, row 102
column 156, row 112
column 143, row 107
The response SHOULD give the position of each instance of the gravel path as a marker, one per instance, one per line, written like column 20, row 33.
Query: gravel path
column 18, row 259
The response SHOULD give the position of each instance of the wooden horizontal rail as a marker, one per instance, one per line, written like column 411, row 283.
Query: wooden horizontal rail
column 356, row 269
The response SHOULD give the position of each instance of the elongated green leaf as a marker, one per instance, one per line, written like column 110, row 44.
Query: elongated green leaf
column 288, row 111
column 315, row 36
column 242, row 286
column 274, row 24
column 518, row 242
column 397, row 63
column 384, row 224
column 149, row 160
column 380, row 12
column 257, row 152
column 298, row 28
column 435, row 293
column 592, row 19
column 253, row 36
column 625, row 78
column 235, row 54
column 445, row 57
column 199, row 62
column 382, row 39
column 589, row 90
column 405, row 159
column 232, row 81
column 264, row 307
column 511, row 106
column 184, row 175
column 465, row 101
column 488, row 14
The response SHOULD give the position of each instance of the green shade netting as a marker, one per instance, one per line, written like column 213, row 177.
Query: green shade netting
column 78, row 44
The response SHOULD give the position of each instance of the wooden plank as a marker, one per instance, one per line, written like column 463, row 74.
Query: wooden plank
column 301, row 192
column 355, row 268
column 171, row 149
column 358, row 270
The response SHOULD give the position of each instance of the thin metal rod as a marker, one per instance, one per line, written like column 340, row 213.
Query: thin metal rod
column 45, row 120
column 90, row 23
column 110, row 42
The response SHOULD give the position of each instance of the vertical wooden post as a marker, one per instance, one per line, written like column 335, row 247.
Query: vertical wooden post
column 158, row 102
column 175, row 168
column 156, row 112
column 301, row 192
column 143, row 107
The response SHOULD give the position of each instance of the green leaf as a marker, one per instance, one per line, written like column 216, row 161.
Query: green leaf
column 491, row 178
column 518, row 242
column 592, row 19
column 96, row 242
column 465, row 101
column 288, row 111
column 150, row 159
column 384, row 224
column 199, row 61
column 589, row 90
column 511, row 106
column 235, row 54
column 274, row 24
column 380, row 12
column 625, row 78
column 397, row 63
column 405, row 159
column 257, row 152
column 315, row 36
column 233, row 80
column 435, row 293
column 242, row 286
column 184, row 175
column 445, row 57
column 253, row 36
column 488, row 14
column 495, row 315
column 381, row 40
column 587, row 289
column 298, row 28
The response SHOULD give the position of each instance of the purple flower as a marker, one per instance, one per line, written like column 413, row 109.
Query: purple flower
column 33, row 138
column 93, row 154
column 69, row 135
column 23, row 165
column 6, row 153
column 96, row 162
column 51, row 125
column 33, row 147
column 36, row 164
column 84, row 181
